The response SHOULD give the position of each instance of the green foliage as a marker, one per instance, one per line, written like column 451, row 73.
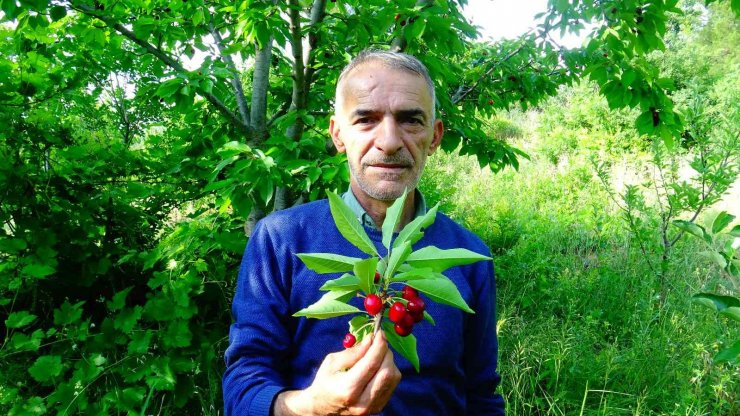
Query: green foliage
column 136, row 145
column 581, row 326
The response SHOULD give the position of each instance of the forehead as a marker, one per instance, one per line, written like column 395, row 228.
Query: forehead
column 377, row 87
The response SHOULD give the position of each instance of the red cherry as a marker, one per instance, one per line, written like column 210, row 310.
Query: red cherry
column 397, row 312
column 416, row 305
column 490, row 102
column 373, row 304
column 402, row 330
column 377, row 277
column 403, row 22
column 407, row 321
column 409, row 293
column 349, row 340
column 417, row 316
column 398, row 15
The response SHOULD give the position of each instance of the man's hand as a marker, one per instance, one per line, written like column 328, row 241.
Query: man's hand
column 356, row 381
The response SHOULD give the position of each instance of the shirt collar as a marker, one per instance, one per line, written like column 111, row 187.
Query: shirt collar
column 365, row 218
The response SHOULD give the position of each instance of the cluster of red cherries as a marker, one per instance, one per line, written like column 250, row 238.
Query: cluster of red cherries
column 403, row 316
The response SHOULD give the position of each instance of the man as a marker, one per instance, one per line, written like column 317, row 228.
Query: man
column 276, row 364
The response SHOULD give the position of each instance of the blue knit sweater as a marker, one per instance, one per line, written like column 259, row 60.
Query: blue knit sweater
column 270, row 351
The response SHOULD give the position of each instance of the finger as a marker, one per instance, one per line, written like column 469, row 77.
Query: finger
column 368, row 365
column 381, row 387
column 343, row 360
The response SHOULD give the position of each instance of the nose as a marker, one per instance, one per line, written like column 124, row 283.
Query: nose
column 389, row 139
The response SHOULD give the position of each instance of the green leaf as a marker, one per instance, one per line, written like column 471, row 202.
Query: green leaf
column 326, row 308
column 398, row 256
column 127, row 319
column 345, row 282
column 19, row 319
column 693, row 229
column 735, row 232
column 441, row 290
column 412, row 231
column 119, row 299
column 628, row 77
column 328, row 262
column 439, row 260
column 139, row 343
column 392, row 218
column 365, row 272
column 716, row 302
column 733, row 312
column 406, row 346
column 38, row 270
column 722, row 220
column 359, row 328
column 57, row 12
column 729, row 354
column 428, row 318
column 169, row 87
column 68, row 313
column 349, row 226
column 342, row 295
column 46, row 367
column 177, row 334
column 12, row 245
column 414, row 273
column 22, row 342
column 715, row 257
column 416, row 29
column 644, row 123
column 357, row 322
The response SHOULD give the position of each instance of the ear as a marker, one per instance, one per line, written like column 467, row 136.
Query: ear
column 335, row 136
column 439, row 131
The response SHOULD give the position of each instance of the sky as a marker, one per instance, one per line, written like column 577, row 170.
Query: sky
column 507, row 19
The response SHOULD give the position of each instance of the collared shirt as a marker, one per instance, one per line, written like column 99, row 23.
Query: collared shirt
column 350, row 199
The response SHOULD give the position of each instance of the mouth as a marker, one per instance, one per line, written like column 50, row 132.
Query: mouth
column 389, row 167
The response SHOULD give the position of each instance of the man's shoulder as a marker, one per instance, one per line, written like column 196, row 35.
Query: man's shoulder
column 297, row 216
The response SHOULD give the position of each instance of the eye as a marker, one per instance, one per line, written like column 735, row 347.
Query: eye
column 414, row 120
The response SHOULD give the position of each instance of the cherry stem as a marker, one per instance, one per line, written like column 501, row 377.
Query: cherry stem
column 378, row 319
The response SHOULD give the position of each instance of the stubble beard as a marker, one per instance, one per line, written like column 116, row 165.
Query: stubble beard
column 385, row 193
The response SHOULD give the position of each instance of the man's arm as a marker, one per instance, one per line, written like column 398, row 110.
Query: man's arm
column 353, row 381
column 259, row 340
column 481, row 349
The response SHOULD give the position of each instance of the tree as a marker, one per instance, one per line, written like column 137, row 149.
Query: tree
column 120, row 115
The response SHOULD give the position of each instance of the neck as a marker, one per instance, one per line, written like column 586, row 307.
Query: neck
column 377, row 208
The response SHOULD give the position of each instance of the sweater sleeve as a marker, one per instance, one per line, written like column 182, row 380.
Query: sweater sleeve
column 481, row 349
column 259, row 338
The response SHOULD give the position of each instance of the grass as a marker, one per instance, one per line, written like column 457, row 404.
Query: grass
column 582, row 330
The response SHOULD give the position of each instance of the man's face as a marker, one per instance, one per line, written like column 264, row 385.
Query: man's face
column 384, row 124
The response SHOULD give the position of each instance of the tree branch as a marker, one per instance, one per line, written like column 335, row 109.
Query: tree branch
column 461, row 95
column 260, row 84
column 236, row 82
column 318, row 12
column 169, row 61
column 296, row 43
column 281, row 112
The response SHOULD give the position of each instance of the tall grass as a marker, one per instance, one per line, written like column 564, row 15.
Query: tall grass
column 582, row 330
